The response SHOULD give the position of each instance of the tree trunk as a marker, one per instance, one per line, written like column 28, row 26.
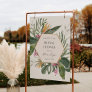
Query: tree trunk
column 89, row 68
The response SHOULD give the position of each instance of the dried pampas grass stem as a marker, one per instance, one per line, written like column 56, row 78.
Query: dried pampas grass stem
column 12, row 61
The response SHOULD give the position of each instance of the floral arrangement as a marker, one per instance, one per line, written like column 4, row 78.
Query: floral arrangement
column 12, row 61
column 42, row 27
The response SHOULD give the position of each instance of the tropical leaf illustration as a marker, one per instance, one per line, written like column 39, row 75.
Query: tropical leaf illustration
column 65, row 62
column 48, row 67
column 42, row 27
column 51, row 31
column 32, row 47
column 61, row 70
column 67, row 69
column 37, row 27
column 33, row 40
column 44, row 69
column 64, row 43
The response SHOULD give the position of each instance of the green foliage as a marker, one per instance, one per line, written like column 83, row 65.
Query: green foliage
column 51, row 31
column 45, row 68
column 65, row 62
column 38, row 26
column 86, row 56
column 61, row 70
column 77, row 59
column 64, row 43
column 3, row 80
column 82, row 58
column 41, row 22
column 33, row 40
column 48, row 67
column 32, row 47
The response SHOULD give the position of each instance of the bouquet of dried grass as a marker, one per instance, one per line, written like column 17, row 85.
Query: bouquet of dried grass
column 12, row 60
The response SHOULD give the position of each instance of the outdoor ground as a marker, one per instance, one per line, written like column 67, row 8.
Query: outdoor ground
column 85, row 85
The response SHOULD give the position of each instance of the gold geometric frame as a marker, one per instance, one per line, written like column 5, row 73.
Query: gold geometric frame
column 73, row 12
column 39, row 40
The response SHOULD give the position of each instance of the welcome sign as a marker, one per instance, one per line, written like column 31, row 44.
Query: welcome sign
column 50, row 48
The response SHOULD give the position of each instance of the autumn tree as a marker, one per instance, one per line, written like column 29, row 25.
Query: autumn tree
column 15, row 36
column 83, row 25
column 86, row 57
column 86, row 14
column 22, row 33
column 18, row 35
column 1, row 38
column 7, row 35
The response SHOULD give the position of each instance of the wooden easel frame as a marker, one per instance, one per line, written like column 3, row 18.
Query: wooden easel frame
column 73, row 12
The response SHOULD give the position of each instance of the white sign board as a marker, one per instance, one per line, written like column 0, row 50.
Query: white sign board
column 50, row 48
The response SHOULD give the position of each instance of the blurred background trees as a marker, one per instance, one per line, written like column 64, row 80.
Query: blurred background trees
column 83, row 25
column 83, row 35
column 1, row 38
column 83, row 28
column 86, row 14
column 86, row 57
column 82, row 57
column 17, row 36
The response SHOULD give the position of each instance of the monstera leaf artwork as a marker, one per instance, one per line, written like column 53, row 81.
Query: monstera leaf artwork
column 49, row 49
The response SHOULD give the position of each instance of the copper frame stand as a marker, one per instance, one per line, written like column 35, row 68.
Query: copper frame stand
column 73, row 12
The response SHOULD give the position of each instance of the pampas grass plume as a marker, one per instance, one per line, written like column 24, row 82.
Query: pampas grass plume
column 12, row 61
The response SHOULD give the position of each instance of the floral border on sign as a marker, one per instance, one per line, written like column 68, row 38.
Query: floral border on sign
column 41, row 26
